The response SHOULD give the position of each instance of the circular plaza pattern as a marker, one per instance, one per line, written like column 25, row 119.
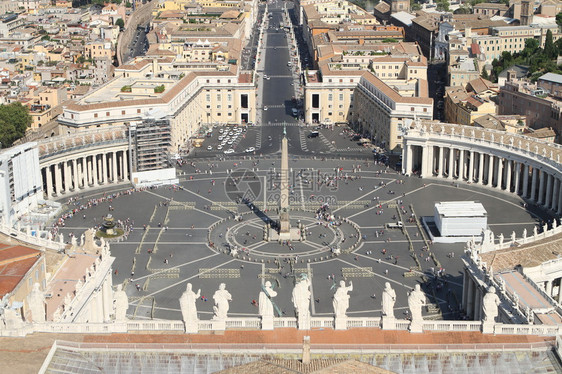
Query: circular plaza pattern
column 183, row 234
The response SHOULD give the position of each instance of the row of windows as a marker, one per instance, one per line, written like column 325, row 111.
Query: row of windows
column 219, row 97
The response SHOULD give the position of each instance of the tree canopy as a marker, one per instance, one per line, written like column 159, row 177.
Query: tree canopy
column 14, row 121
column 120, row 23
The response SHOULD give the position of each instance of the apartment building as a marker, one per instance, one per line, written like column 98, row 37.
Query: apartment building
column 148, row 89
column 524, row 98
column 384, row 114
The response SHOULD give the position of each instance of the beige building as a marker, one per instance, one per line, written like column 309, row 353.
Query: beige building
column 384, row 113
column 148, row 90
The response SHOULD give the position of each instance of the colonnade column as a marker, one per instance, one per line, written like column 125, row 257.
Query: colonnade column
column 508, row 175
column 114, row 167
column 477, row 303
column 408, row 160
column 540, row 200
column 548, row 197
column 75, row 174
column 555, row 191
column 58, row 178
column 49, row 177
column 67, row 171
column 451, row 163
column 461, row 164
column 525, row 193
column 517, row 169
column 490, row 170
column 440, row 163
column 481, row 168
column 471, row 167
column 105, row 169
column 95, row 169
column 534, row 184
column 125, row 164
column 500, row 173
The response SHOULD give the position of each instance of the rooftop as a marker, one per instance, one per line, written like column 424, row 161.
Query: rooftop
column 460, row 209
column 15, row 262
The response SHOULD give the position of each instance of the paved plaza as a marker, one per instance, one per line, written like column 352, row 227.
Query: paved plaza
column 186, row 233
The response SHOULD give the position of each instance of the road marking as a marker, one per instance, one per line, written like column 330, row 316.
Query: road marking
column 186, row 279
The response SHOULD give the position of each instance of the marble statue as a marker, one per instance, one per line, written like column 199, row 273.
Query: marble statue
column 82, row 240
column 388, row 300
column 416, row 300
column 67, row 301
column 501, row 239
column 301, row 297
column 187, row 304
column 57, row 315
column 221, row 297
column 36, row 304
column 73, row 241
column 121, row 303
column 341, row 299
column 490, row 303
column 554, row 223
column 535, row 231
column 545, row 227
column 524, row 233
column 473, row 134
column 264, row 300
column 61, row 238
column 513, row 236
column 79, row 285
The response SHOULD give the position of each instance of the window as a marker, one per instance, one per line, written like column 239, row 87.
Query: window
column 229, row 97
column 341, row 97
column 412, row 109
column 95, row 115
column 208, row 97
column 138, row 110
column 107, row 114
column 123, row 112
column 329, row 97
column 219, row 98
column 425, row 109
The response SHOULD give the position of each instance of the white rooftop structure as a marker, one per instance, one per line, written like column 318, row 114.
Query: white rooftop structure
column 460, row 209
column 460, row 219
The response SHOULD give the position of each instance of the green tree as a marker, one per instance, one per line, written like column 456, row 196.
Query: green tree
column 120, row 23
column 462, row 10
column 559, row 19
column 485, row 73
column 14, row 121
column 549, row 49
column 415, row 7
column 443, row 6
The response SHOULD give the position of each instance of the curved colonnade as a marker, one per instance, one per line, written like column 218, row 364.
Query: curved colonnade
column 79, row 161
column 512, row 163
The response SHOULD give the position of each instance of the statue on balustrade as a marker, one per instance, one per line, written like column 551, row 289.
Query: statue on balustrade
column 264, row 301
column 341, row 299
column 36, row 304
column 221, row 297
column 490, row 303
column 388, row 300
column 121, row 301
column 301, row 297
column 187, row 304
column 416, row 300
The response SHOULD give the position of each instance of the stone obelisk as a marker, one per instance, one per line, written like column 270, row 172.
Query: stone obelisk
column 284, row 223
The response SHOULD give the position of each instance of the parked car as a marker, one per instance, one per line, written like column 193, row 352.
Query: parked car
column 229, row 151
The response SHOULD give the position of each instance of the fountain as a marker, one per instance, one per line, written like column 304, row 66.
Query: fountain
column 109, row 228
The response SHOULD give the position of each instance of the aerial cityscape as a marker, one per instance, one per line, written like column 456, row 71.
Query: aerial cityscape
column 281, row 186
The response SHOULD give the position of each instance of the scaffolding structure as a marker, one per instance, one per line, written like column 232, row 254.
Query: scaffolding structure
column 150, row 142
